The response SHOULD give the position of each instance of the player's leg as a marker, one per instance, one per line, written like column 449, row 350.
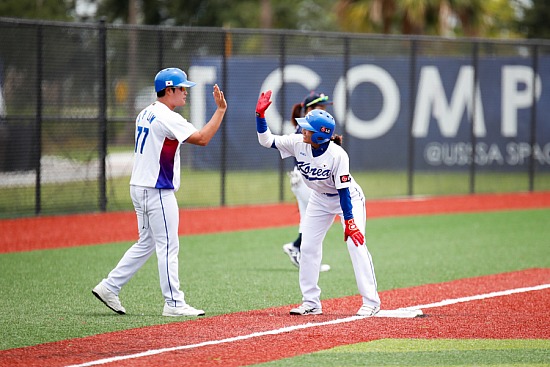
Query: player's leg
column 316, row 223
column 302, row 193
column 165, row 232
column 164, row 224
column 361, row 258
column 140, row 252
column 134, row 258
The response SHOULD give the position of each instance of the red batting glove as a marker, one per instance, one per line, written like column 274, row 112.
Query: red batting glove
column 263, row 103
column 353, row 232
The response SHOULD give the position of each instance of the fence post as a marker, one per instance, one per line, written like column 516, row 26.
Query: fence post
column 102, row 115
column 412, row 103
column 346, row 87
column 475, row 55
column 533, row 119
column 282, row 104
column 160, row 44
column 38, row 122
column 223, row 172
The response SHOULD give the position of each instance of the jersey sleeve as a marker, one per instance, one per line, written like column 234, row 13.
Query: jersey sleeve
column 286, row 144
column 345, row 203
column 342, row 177
column 178, row 128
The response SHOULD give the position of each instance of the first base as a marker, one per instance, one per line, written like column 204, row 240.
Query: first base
column 401, row 313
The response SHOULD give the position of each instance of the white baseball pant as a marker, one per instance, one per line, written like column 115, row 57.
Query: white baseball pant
column 158, row 218
column 318, row 220
column 302, row 193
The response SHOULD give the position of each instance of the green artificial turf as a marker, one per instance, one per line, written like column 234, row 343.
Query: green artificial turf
column 433, row 352
column 46, row 295
column 203, row 188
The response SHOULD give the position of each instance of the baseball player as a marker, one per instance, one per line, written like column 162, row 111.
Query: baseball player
column 324, row 166
column 155, row 178
column 300, row 190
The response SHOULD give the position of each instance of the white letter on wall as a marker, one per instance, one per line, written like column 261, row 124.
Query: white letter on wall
column 293, row 74
column 513, row 99
column 390, row 96
column 431, row 98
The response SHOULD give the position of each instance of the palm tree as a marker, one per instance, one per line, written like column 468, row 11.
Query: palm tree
column 411, row 16
column 471, row 14
column 367, row 16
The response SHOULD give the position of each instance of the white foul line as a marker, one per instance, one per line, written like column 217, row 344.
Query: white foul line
column 221, row 341
column 481, row 296
column 306, row 326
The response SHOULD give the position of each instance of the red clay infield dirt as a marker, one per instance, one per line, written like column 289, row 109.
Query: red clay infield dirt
column 87, row 229
column 244, row 338
column 229, row 340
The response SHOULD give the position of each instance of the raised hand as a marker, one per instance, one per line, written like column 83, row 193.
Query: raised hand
column 219, row 98
column 263, row 103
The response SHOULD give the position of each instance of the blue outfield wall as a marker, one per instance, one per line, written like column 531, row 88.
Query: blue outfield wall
column 378, row 120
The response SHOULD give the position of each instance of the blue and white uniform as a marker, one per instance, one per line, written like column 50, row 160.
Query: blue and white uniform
column 155, row 179
column 334, row 192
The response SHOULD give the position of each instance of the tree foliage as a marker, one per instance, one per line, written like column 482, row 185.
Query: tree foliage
column 473, row 18
column 535, row 22
column 284, row 14
column 32, row 9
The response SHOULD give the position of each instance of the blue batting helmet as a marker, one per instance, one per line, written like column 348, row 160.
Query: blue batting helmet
column 171, row 77
column 320, row 122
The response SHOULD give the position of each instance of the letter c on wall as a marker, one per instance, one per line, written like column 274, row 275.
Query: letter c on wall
column 390, row 95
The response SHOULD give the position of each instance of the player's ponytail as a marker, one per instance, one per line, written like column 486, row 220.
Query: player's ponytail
column 337, row 139
column 296, row 112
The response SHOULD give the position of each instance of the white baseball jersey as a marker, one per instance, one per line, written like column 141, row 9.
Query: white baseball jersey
column 324, row 174
column 159, row 134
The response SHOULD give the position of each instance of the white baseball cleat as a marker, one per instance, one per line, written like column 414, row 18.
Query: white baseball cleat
column 108, row 298
column 368, row 311
column 185, row 310
column 303, row 310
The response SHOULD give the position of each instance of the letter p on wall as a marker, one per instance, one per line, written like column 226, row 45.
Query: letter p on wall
column 518, row 92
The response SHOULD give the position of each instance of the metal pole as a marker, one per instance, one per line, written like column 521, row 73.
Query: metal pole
column 223, row 179
column 412, row 103
column 38, row 122
column 346, row 87
column 473, row 119
column 102, row 115
column 282, row 105
column 533, row 119
column 160, row 42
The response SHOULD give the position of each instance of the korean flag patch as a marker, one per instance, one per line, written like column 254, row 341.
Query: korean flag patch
column 345, row 178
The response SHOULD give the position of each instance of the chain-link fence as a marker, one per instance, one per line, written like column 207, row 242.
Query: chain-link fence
column 419, row 115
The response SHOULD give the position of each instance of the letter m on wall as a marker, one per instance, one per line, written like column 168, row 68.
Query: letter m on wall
column 432, row 101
